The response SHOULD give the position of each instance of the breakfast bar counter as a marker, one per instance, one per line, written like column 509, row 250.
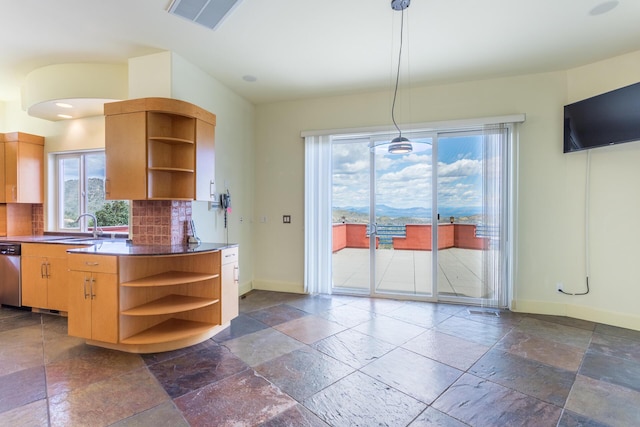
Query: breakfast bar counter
column 151, row 298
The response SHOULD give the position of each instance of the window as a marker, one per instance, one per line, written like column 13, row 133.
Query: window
column 81, row 179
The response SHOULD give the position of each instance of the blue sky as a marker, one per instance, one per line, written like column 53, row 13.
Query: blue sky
column 404, row 181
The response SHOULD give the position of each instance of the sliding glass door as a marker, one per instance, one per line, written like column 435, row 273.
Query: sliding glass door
column 351, row 204
column 402, row 205
column 430, row 224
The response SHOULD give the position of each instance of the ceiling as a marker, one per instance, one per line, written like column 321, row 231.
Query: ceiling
column 310, row 48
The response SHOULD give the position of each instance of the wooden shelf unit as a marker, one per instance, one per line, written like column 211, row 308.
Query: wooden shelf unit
column 165, row 146
column 168, row 298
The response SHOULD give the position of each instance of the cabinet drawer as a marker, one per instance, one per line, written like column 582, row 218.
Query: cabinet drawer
column 229, row 255
column 97, row 263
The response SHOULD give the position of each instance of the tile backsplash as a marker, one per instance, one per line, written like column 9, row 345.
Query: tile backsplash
column 160, row 222
column 37, row 220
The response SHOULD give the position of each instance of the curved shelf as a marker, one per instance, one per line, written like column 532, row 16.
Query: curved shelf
column 169, row 305
column 170, row 278
column 168, row 198
column 169, row 169
column 170, row 140
column 170, row 330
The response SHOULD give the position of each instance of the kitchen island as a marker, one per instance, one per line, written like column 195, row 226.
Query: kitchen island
column 147, row 298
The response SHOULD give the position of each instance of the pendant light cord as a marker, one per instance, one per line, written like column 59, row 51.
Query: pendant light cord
column 395, row 92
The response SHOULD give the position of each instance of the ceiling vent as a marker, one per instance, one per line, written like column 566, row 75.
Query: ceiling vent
column 208, row 13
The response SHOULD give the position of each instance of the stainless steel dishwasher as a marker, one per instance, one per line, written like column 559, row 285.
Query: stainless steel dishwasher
column 10, row 286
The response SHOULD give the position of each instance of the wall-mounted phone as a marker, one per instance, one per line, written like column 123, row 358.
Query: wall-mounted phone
column 214, row 199
column 225, row 204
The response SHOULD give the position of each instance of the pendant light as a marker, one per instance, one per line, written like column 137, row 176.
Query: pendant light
column 399, row 144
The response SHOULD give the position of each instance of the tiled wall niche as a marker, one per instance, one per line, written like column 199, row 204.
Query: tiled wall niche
column 160, row 222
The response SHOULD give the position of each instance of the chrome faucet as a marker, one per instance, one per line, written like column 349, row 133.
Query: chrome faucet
column 95, row 223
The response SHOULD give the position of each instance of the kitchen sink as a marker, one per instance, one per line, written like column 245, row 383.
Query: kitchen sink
column 92, row 241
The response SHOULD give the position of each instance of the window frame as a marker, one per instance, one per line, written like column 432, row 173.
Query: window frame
column 58, row 191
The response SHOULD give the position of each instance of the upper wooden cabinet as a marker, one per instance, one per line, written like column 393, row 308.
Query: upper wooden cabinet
column 159, row 149
column 23, row 160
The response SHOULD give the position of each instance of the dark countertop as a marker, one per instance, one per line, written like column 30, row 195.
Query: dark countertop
column 121, row 248
column 32, row 239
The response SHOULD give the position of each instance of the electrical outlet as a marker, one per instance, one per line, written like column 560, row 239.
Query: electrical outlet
column 559, row 287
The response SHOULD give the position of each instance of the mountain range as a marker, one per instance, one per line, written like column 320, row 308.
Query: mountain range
column 417, row 212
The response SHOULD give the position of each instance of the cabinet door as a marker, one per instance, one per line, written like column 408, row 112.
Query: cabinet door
column 229, row 292
column 104, row 307
column 58, row 285
column 3, row 198
column 11, row 171
column 126, row 156
column 205, row 161
column 79, row 304
column 34, row 282
column 24, row 172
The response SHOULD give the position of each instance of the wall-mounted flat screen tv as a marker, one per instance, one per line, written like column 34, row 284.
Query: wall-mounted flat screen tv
column 610, row 118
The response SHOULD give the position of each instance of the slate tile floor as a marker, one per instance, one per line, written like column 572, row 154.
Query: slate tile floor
column 295, row 360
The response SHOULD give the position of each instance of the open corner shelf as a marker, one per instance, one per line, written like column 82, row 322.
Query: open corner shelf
column 170, row 278
column 170, row 169
column 170, row 304
column 171, row 140
column 169, row 330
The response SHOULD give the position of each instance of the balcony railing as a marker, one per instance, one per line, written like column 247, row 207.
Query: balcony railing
column 415, row 237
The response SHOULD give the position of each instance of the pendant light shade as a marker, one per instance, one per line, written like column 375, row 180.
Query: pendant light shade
column 400, row 145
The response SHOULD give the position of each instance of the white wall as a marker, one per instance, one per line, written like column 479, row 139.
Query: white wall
column 550, row 186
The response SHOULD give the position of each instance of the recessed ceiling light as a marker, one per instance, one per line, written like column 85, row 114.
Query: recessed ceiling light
column 603, row 8
column 65, row 116
column 249, row 78
column 63, row 105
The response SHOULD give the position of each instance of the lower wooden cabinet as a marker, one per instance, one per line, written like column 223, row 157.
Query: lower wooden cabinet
column 93, row 297
column 151, row 303
column 45, row 275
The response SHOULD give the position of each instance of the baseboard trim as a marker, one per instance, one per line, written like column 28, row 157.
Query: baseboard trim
column 244, row 288
column 612, row 318
column 295, row 288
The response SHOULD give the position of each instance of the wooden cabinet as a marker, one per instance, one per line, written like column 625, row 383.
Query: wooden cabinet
column 205, row 161
column 168, row 302
column 93, row 297
column 230, row 280
column 154, row 302
column 45, row 275
column 159, row 149
column 23, row 168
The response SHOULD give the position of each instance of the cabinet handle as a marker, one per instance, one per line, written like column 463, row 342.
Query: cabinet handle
column 107, row 190
column 48, row 270
column 236, row 274
column 91, row 264
column 92, row 280
column 212, row 189
column 84, row 286
column 42, row 270
column 13, row 193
